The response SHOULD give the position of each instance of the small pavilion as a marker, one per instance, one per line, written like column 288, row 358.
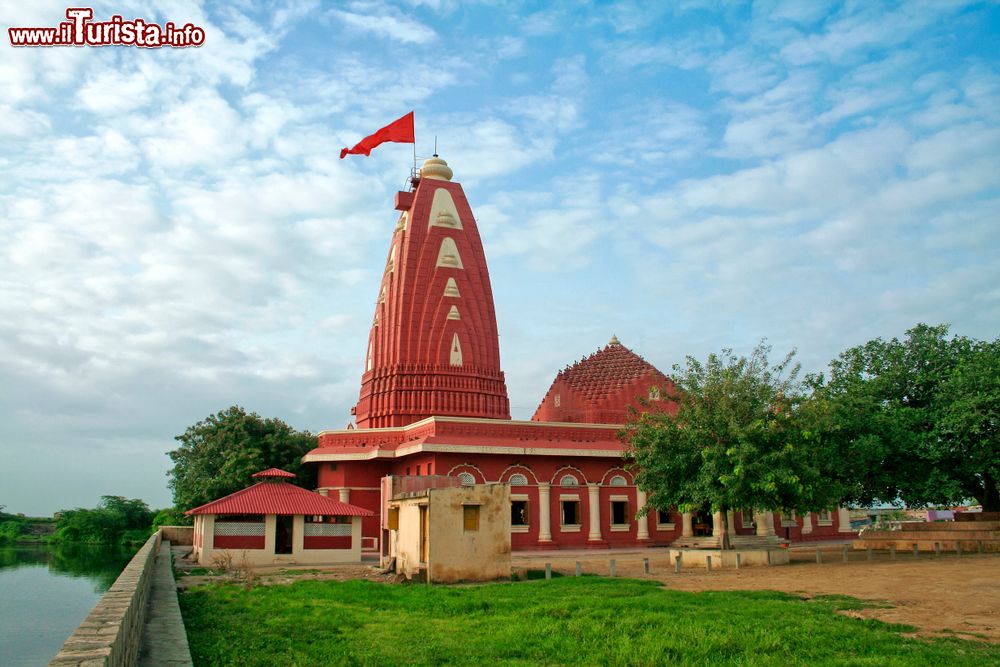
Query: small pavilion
column 275, row 522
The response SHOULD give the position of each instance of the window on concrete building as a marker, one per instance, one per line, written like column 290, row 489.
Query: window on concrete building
column 466, row 478
column 788, row 519
column 825, row 518
column 470, row 517
column 517, row 479
column 418, row 471
column 568, row 480
column 618, row 480
column 407, row 471
column 519, row 512
column 429, row 469
column 392, row 518
column 571, row 512
column 663, row 517
column 619, row 513
column 746, row 518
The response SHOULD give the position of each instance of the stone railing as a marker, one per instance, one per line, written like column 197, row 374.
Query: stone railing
column 111, row 635
column 178, row 535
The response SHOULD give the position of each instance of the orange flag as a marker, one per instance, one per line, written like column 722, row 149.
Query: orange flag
column 399, row 131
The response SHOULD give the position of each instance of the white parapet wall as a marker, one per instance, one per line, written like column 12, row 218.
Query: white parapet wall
column 698, row 558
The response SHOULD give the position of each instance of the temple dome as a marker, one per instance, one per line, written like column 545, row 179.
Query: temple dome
column 435, row 167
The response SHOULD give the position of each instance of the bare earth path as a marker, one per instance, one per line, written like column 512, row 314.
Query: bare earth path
column 939, row 596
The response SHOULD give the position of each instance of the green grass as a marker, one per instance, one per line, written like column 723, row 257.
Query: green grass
column 569, row 621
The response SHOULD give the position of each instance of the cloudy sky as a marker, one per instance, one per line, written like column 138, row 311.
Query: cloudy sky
column 178, row 235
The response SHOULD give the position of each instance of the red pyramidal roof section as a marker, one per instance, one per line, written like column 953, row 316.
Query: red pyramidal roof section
column 601, row 387
column 278, row 498
column 273, row 473
column 433, row 347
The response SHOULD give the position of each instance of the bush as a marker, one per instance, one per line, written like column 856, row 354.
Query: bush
column 11, row 528
column 171, row 516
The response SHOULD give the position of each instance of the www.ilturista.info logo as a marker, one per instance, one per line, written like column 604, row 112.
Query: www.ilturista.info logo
column 79, row 30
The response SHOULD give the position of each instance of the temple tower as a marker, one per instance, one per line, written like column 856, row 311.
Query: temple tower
column 433, row 347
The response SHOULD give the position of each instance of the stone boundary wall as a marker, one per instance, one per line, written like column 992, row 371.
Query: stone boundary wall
column 111, row 635
column 181, row 536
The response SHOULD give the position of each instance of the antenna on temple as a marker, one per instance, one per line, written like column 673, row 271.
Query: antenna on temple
column 435, row 145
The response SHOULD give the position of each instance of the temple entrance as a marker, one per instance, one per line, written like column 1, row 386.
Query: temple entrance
column 702, row 523
column 283, row 534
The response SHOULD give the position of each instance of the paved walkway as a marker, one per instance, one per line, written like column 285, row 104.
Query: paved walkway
column 164, row 641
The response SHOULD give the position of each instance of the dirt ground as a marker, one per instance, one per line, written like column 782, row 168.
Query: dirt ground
column 939, row 596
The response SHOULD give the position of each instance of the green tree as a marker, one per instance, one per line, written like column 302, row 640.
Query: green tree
column 915, row 420
column 115, row 520
column 968, row 425
column 219, row 455
column 741, row 438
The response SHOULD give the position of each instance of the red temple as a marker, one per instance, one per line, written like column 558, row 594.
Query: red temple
column 433, row 401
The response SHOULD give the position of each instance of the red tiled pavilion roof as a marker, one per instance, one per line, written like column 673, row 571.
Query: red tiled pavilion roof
column 278, row 498
column 605, row 372
column 273, row 473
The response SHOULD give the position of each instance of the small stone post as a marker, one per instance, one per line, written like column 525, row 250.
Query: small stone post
column 579, row 569
column 892, row 552
column 548, row 570
column 979, row 546
column 844, row 553
column 916, row 549
column 708, row 563
column 645, row 565
column 937, row 548
column 819, row 556
column 958, row 549
column 869, row 553
column 614, row 568
column 738, row 560
column 677, row 564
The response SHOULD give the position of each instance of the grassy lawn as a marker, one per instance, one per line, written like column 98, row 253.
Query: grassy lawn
column 567, row 621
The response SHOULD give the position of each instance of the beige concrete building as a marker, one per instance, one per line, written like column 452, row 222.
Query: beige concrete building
column 449, row 534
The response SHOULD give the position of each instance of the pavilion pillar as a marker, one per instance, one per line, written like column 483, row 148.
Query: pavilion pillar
column 594, row 501
column 765, row 523
column 345, row 495
column 807, row 523
column 844, row 519
column 642, row 529
column 717, row 524
column 731, row 522
column 687, row 530
column 544, row 522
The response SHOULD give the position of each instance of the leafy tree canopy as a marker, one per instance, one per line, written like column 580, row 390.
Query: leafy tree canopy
column 741, row 438
column 916, row 419
column 116, row 519
column 219, row 455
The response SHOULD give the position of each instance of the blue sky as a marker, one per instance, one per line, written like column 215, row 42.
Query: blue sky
column 177, row 233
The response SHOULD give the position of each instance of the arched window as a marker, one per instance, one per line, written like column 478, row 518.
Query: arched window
column 568, row 480
column 618, row 480
column 517, row 479
column 466, row 478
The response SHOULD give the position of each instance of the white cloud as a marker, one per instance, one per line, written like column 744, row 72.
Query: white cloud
column 384, row 24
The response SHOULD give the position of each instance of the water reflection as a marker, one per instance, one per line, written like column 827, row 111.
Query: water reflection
column 45, row 592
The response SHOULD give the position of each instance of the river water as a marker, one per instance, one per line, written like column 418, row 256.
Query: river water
column 45, row 592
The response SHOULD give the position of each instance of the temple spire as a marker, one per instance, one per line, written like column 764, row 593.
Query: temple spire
column 433, row 348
